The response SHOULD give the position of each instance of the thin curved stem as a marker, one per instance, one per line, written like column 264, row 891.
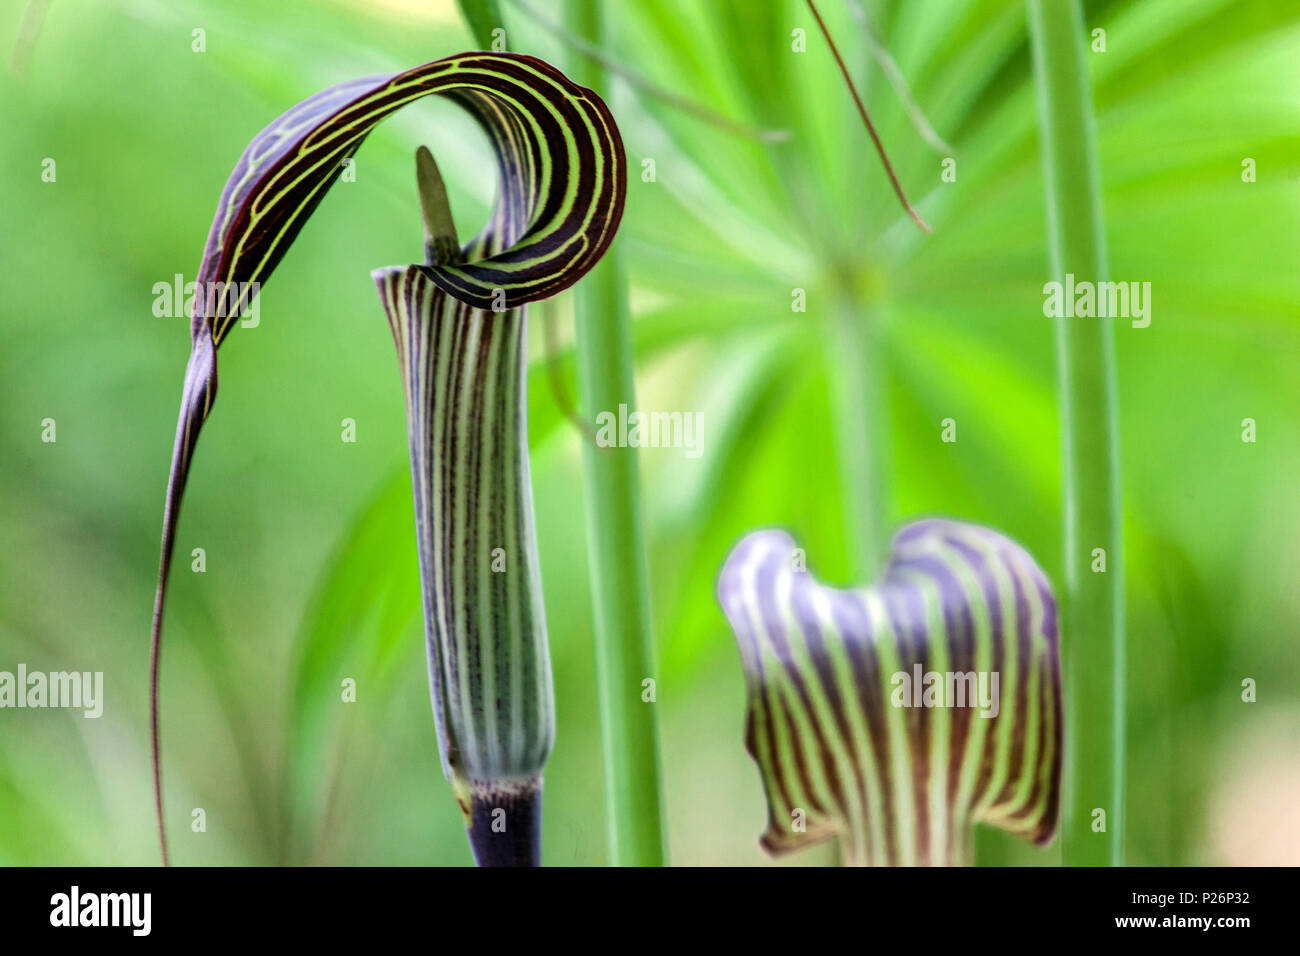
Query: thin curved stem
column 155, row 756
column 866, row 119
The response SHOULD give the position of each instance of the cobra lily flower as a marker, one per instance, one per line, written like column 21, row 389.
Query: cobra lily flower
column 898, row 715
column 459, row 321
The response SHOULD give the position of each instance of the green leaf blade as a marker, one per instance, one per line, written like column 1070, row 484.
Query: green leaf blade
column 483, row 17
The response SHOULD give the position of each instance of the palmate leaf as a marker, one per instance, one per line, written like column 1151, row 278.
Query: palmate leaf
column 563, row 182
column 854, row 737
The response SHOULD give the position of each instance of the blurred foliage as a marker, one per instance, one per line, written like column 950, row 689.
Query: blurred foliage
column 311, row 567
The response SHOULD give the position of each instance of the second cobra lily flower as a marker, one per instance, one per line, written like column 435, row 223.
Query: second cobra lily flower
column 459, row 323
column 899, row 715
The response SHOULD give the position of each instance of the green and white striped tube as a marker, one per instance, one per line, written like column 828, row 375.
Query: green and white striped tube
column 463, row 371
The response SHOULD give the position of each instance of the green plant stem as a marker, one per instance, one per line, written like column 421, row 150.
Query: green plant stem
column 1092, row 619
column 615, row 543
column 860, row 419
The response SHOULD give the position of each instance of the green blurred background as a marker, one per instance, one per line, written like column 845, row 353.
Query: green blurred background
column 310, row 558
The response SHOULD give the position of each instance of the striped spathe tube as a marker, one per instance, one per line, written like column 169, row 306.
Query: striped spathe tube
column 897, row 716
column 463, row 374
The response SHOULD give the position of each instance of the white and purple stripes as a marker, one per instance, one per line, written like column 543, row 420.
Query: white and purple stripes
column 845, row 743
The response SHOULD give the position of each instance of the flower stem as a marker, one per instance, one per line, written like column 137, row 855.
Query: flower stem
column 1092, row 625
column 860, row 417
column 505, row 826
column 615, row 543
